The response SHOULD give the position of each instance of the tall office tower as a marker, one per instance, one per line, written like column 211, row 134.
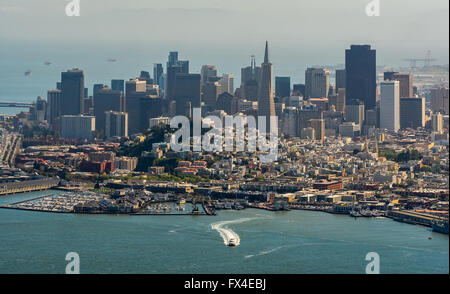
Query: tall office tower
column 72, row 85
column 298, row 90
column 288, row 124
column 118, row 85
column 228, row 103
column 412, row 113
column 266, row 104
column 318, row 124
column 250, row 90
column 360, row 75
column 186, row 93
column 207, row 72
column 340, row 79
column 173, row 59
column 439, row 100
column 116, row 124
column 405, row 80
column 41, row 109
column 437, row 122
column 210, row 94
column 58, row 86
column 331, row 90
column 135, row 90
column 145, row 76
column 354, row 112
column 86, row 92
column 371, row 118
column 337, row 101
column 134, row 86
column 174, row 67
column 304, row 116
column 282, row 87
column 158, row 72
column 389, row 75
column 88, row 105
column 227, row 83
column 250, row 73
column 390, row 105
column 317, row 82
column 77, row 127
column 54, row 99
column 97, row 87
column 340, row 100
column 104, row 100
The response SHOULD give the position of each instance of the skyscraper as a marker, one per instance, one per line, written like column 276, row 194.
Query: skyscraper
column 338, row 100
column 266, row 105
column 210, row 94
column 360, row 75
column 118, row 85
column 207, row 72
column 412, row 112
column 250, row 73
column 354, row 112
column 77, row 126
column 340, row 79
column 390, row 105
column 439, row 100
column 135, row 90
column 405, row 80
column 282, row 87
column 54, row 98
column 227, row 83
column 72, row 87
column 174, row 67
column 186, row 93
column 157, row 75
column 116, row 124
column 317, row 82
column 107, row 99
column 97, row 87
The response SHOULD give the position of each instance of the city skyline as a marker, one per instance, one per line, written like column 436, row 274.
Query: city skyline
column 132, row 139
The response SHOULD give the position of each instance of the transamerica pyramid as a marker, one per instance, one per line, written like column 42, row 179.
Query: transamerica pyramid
column 266, row 104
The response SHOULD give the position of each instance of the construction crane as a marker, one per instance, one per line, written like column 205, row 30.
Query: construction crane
column 426, row 61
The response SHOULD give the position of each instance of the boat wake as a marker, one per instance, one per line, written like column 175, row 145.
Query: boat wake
column 265, row 252
column 226, row 233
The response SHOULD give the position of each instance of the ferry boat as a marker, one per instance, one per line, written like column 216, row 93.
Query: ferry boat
column 440, row 227
column 232, row 242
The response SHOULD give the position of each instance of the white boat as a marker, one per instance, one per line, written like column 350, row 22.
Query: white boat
column 232, row 242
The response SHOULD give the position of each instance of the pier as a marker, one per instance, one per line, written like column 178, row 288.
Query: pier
column 27, row 186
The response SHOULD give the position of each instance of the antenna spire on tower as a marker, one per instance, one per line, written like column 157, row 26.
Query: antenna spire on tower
column 266, row 53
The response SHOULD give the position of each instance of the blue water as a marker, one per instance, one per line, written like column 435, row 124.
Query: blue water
column 281, row 242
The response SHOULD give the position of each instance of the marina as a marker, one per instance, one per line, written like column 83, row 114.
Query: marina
column 299, row 241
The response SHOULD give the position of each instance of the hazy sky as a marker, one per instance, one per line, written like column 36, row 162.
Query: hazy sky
column 316, row 31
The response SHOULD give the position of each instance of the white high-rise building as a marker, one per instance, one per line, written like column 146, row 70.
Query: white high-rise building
column 390, row 105
column 437, row 122
column 78, row 126
column 226, row 82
